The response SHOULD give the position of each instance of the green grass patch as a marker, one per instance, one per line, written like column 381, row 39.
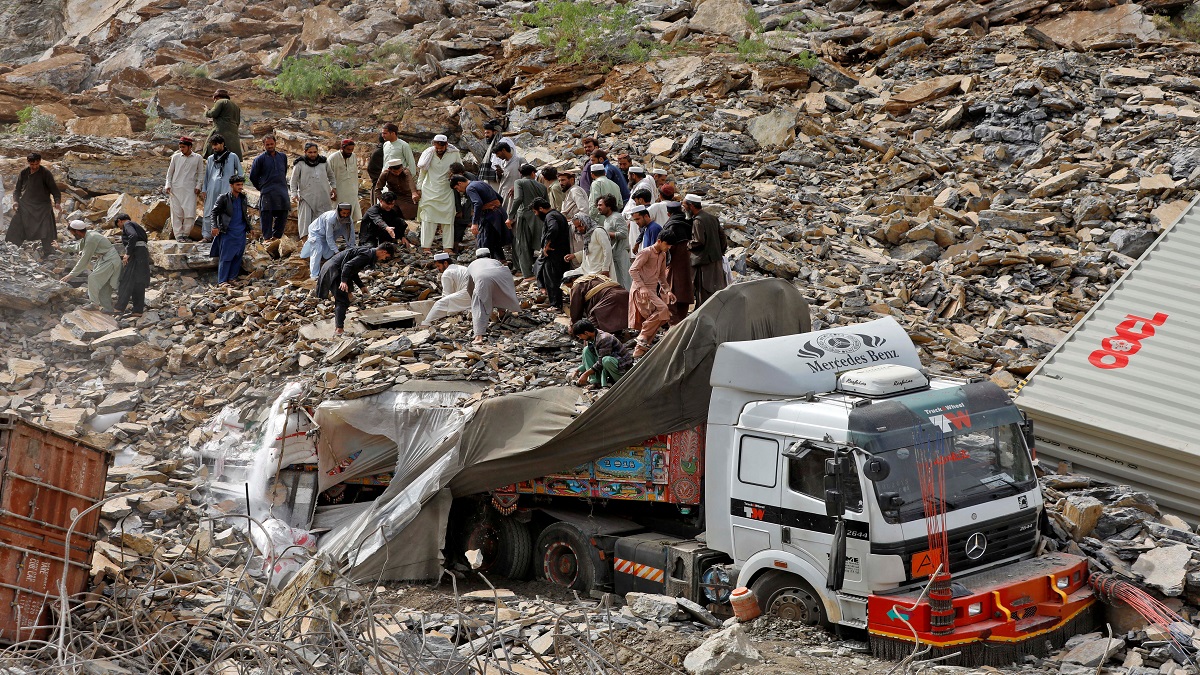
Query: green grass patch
column 753, row 19
column 804, row 60
column 586, row 31
column 34, row 123
column 318, row 77
column 753, row 50
column 1185, row 26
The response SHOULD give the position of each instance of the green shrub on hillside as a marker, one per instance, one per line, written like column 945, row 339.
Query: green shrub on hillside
column 586, row 31
column 316, row 77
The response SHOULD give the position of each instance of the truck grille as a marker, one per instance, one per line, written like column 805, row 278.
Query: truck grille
column 1007, row 537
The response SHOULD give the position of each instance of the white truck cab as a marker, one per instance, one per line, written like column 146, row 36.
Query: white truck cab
column 798, row 423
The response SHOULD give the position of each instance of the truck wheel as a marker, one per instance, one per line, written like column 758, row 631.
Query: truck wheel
column 788, row 597
column 505, row 544
column 566, row 559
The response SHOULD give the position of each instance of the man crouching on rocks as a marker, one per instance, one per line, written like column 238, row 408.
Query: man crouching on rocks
column 340, row 273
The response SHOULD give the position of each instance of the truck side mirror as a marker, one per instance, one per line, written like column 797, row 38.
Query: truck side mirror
column 876, row 469
column 835, row 497
column 1027, row 432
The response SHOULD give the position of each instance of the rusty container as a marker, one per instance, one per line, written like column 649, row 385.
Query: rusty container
column 47, row 482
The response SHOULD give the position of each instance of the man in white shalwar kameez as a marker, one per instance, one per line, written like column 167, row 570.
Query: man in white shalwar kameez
column 491, row 287
column 455, row 296
column 185, row 180
column 644, row 182
column 595, row 255
column 343, row 164
column 312, row 187
column 435, row 205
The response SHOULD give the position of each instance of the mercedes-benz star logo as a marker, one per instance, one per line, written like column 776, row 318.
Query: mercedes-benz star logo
column 976, row 545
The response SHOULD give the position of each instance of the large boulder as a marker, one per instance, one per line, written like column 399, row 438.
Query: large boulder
column 724, row 650
column 418, row 11
column 102, row 174
column 116, row 125
column 174, row 255
column 723, row 17
column 65, row 72
column 776, row 129
column 1117, row 26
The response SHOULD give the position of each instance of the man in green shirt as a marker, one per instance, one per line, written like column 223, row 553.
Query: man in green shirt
column 102, row 281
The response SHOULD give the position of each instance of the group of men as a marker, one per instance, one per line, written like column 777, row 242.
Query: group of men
column 631, row 256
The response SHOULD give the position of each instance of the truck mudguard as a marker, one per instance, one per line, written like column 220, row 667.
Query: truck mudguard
column 782, row 561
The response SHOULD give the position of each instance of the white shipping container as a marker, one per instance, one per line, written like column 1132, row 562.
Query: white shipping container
column 1119, row 398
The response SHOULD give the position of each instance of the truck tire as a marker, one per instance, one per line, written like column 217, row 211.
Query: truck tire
column 788, row 597
column 506, row 546
column 565, row 558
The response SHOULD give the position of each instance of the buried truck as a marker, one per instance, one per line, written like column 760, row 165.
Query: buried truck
column 835, row 480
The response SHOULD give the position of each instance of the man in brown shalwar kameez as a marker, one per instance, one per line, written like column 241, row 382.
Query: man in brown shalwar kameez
column 707, row 248
column 598, row 299
column 36, row 201
column 650, row 294
column 678, row 233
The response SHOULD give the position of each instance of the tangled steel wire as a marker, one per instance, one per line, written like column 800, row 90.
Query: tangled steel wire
column 181, row 611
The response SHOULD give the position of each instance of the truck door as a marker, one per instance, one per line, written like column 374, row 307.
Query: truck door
column 805, row 528
column 754, row 493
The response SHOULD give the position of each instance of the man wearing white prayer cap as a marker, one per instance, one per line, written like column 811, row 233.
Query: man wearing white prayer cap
column 490, row 287
column 106, row 271
column 436, row 203
column 455, row 296
column 644, row 182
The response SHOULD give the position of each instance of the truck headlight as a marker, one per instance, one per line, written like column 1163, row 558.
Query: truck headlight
column 1062, row 582
column 975, row 609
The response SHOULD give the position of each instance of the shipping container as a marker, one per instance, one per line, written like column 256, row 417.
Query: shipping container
column 47, row 482
column 1119, row 397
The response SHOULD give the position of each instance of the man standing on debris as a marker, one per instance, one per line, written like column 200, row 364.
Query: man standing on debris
column 102, row 280
column 707, row 248
column 493, row 138
column 231, row 224
column 487, row 215
column 510, row 172
column 455, row 297
column 435, row 197
column 221, row 165
column 605, row 359
column 612, row 172
column 595, row 256
column 601, row 186
column 585, row 177
column 397, row 180
column 598, row 299
column 491, row 287
column 375, row 164
column 650, row 298
column 618, row 237
column 658, row 209
column 395, row 147
column 339, row 275
column 36, row 200
column 555, row 247
column 312, row 187
column 677, row 232
column 268, row 174
column 343, row 164
column 525, row 224
column 575, row 198
column 644, row 182
column 135, row 272
column 639, row 199
column 382, row 222
column 548, row 176
column 227, row 122
column 323, row 237
column 646, row 225
column 185, row 180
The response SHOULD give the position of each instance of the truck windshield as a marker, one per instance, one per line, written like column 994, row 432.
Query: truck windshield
column 979, row 465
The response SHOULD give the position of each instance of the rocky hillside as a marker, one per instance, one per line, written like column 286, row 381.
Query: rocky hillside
column 981, row 171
